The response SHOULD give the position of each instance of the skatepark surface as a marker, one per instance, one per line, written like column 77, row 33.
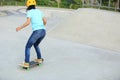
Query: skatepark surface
column 80, row 44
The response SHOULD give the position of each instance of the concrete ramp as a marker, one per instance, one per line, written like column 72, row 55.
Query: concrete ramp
column 92, row 27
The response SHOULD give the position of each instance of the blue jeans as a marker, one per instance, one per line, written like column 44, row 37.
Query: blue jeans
column 35, row 39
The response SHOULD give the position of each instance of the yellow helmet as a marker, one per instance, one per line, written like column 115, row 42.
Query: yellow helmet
column 30, row 2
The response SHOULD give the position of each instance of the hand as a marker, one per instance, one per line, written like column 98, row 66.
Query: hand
column 18, row 29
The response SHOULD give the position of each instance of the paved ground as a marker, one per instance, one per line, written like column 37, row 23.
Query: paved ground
column 66, row 57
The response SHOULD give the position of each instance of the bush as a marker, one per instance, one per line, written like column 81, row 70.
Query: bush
column 74, row 4
column 52, row 4
column 43, row 2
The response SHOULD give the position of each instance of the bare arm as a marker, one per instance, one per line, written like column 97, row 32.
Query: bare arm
column 24, row 25
column 44, row 21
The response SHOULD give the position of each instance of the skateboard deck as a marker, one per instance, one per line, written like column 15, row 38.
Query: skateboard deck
column 31, row 64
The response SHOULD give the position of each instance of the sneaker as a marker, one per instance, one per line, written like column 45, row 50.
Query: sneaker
column 25, row 64
column 39, row 60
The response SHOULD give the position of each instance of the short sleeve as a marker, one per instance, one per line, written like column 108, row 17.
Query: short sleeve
column 28, row 14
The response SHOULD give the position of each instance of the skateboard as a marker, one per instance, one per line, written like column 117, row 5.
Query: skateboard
column 31, row 64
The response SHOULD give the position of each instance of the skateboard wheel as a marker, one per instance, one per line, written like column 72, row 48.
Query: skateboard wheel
column 38, row 64
column 27, row 68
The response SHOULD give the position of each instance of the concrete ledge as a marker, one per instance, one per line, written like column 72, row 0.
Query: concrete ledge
column 93, row 27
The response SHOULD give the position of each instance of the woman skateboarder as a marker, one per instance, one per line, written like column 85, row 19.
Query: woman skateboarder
column 38, row 21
